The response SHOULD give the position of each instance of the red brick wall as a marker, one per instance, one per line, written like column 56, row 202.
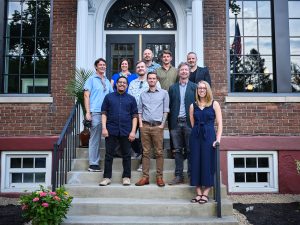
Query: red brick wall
column 48, row 119
column 243, row 119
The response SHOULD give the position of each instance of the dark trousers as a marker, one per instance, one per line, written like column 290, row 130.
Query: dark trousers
column 136, row 145
column 180, row 136
column 111, row 143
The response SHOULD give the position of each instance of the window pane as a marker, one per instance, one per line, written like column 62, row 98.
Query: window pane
column 262, row 177
column 265, row 46
column 27, row 162
column 295, row 46
column 250, row 162
column 27, row 65
column 264, row 27
column 294, row 27
column 16, row 177
column 40, row 177
column 250, row 177
column 13, row 28
column 15, row 163
column 250, row 43
column 263, row 162
column 295, row 71
column 294, row 7
column 28, row 177
column 249, row 9
column 14, row 10
column 250, row 27
column 239, row 177
column 268, row 64
column 264, row 9
column 13, row 46
column 43, row 28
column 239, row 162
column 40, row 162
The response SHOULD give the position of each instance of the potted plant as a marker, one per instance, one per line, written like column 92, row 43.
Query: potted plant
column 75, row 88
column 45, row 207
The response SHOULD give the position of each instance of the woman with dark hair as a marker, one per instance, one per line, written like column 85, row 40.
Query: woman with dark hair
column 124, row 65
column 203, row 114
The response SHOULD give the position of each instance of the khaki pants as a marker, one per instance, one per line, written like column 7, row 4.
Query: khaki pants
column 152, row 135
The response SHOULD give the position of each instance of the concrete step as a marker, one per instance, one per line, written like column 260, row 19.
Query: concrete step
column 83, row 153
column 85, row 177
column 182, row 191
column 146, row 207
column 83, row 164
column 145, row 220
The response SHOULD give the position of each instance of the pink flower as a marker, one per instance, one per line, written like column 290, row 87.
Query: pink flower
column 24, row 207
column 56, row 198
column 52, row 193
column 43, row 194
column 45, row 204
column 35, row 199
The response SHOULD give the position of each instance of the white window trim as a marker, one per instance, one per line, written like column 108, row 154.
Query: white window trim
column 5, row 170
column 254, row 99
column 253, row 187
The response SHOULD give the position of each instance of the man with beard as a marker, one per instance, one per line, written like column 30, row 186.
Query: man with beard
column 197, row 73
column 119, row 120
column 148, row 59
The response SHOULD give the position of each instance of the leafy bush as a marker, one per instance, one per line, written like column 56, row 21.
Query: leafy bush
column 44, row 207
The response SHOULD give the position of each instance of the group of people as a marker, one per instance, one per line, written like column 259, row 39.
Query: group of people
column 145, row 102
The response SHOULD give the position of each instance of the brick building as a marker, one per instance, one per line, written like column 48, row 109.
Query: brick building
column 43, row 41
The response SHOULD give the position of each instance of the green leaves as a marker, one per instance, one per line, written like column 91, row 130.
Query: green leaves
column 51, row 208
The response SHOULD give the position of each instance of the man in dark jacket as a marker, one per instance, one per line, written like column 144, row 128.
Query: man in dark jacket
column 182, row 95
column 197, row 73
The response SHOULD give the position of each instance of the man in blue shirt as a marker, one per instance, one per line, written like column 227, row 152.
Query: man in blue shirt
column 119, row 121
column 95, row 89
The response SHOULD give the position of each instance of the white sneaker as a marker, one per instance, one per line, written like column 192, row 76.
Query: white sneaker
column 105, row 182
column 140, row 169
column 126, row 181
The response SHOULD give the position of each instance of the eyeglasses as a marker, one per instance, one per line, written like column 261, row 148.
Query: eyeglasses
column 202, row 88
column 122, row 82
column 141, row 84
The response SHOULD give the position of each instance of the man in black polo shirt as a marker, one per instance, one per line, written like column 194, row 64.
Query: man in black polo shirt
column 197, row 73
column 119, row 121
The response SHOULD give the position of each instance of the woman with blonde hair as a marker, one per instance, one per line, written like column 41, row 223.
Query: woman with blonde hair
column 203, row 114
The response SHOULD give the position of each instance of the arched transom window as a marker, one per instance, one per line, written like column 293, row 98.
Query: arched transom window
column 140, row 15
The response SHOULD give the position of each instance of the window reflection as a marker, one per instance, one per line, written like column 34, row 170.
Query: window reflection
column 251, row 64
column 130, row 14
column 27, row 39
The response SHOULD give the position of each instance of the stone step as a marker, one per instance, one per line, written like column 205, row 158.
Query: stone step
column 146, row 207
column 83, row 164
column 83, row 153
column 85, row 177
column 145, row 220
column 182, row 191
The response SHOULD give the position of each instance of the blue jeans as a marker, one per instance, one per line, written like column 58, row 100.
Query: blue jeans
column 95, row 138
column 180, row 136
column 111, row 143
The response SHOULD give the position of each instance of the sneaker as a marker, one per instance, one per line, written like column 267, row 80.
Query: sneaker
column 140, row 169
column 105, row 182
column 126, row 181
column 176, row 180
column 94, row 168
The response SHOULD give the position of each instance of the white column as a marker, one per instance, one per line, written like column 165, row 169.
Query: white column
column 81, row 35
column 189, row 29
column 197, row 11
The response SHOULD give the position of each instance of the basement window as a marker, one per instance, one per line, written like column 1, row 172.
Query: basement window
column 22, row 171
column 252, row 171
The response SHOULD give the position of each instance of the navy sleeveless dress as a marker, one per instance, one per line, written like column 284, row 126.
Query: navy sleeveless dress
column 202, row 153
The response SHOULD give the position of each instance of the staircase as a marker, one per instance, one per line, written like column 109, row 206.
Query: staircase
column 150, row 204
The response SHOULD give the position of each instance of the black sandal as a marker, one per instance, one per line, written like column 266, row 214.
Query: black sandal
column 203, row 200
column 195, row 200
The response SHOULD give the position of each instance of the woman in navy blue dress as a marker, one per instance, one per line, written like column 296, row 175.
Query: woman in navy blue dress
column 203, row 114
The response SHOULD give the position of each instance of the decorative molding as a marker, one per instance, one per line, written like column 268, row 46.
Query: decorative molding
column 92, row 7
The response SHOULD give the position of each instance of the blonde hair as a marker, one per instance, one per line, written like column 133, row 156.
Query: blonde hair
column 208, row 97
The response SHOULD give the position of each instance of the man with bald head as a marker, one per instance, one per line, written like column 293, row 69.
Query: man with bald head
column 148, row 59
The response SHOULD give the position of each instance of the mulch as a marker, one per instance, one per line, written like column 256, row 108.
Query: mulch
column 257, row 213
column 270, row 213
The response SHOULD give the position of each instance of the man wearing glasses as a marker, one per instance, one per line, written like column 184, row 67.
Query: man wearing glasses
column 119, row 120
column 135, row 89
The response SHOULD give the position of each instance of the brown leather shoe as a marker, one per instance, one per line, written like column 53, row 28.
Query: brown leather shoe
column 160, row 182
column 143, row 181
